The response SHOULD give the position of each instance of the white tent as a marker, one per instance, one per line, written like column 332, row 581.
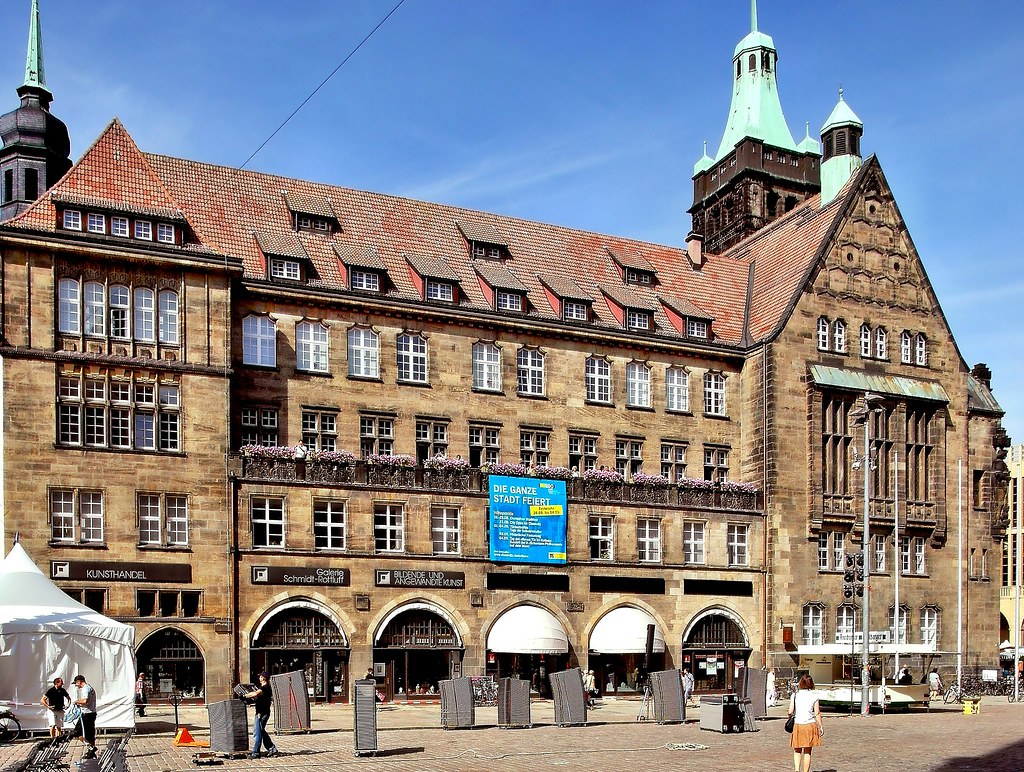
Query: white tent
column 45, row 634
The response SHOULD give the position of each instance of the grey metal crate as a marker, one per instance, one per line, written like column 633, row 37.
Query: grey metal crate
column 291, row 702
column 721, row 713
column 751, row 685
column 667, row 691
column 365, row 723
column 229, row 726
column 458, row 709
column 513, row 702
column 569, row 700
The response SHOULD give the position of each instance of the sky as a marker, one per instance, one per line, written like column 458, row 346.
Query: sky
column 584, row 113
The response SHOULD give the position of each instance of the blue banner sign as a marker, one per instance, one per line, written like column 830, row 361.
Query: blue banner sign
column 527, row 520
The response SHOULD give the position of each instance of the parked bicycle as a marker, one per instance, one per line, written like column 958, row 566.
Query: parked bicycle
column 10, row 727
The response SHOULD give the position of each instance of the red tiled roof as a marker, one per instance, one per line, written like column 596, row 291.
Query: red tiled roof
column 498, row 276
column 225, row 207
column 281, row 244
column 629, row 258
column 314, row 205
column 432, row 267
column 563, row 287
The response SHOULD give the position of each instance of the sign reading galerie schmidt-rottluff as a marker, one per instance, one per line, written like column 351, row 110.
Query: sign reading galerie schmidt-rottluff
column 527, row 520
column 331, row 577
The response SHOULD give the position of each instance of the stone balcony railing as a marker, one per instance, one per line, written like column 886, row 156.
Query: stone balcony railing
column 474, row 481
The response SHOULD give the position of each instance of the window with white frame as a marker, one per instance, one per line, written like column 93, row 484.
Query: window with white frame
column 320, row 429
column 144, row 300
column 412, row 358
column 431, row 438
column 97, row 223
column 168, row 317
column 486, row 367
column 575, row 311
column 440, row 290
column 714, row 394
column 329, row 527
column 906, row 351
column 267, row 517
column 509, row 301
column 76, row 516
column 311, row 340
column 582, row 452
column 130, row 311
column 673, row 460
column 376, row 435
column 823, row 334
column 865, row 340
column 881, row 344
column 677, row 390
column 629, row 456
column 736, row 543
column 930, row 625
column 831, row 550
column 367, row 281
column 635, row 276
column 602, row 537
column 898, row 624
column 144, row 230
column 95, row 307
column 696, row 328
column 530, row 372
column 534, row 447
column 120, row 312
column 444, row 530
column 716, row 464
column 648, row 540
column 920, row 350
column 288, row 270
column 813, row 630
column 638, row 320
column 912, row 555
column 119, row 226
column 693, row 542
column 846, row 623
column 165, row 233
column 839, row 336
column 363, row 353
column 638, row 385
column 72, row 220
column 259, row 426
column 484, row 445
column 389, row 527
column 163, row 519
column 259, row 341
column 879, row 547
column 598, row 380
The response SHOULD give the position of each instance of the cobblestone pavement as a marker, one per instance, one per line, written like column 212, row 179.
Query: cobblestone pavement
column 410, row 740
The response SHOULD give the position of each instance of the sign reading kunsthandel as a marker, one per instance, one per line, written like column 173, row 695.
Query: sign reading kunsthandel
column 109, row 571
column 528, row 519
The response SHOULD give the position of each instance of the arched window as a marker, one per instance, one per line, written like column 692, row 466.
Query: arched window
column 69, row 313
column 677, row 389
column 752, row 62
column 920, row 350
column 169, row 317
column 739, row 68
column 598, row 380
column 813, row 632
column 363, row 353
column 865, row 340
column 905, row 349
column 486, row 367
column 259, row 341
column 95, row 308
column 412, row 358
column 638, row 384
column 823, row 337
column 714, row 394
column 881, row 343
column 766, row 62
column 898, row 625
column 530, row 372
column 120, row 309
column 846, row 623
column 930, row 625
column 145, row 314
column 839, row 336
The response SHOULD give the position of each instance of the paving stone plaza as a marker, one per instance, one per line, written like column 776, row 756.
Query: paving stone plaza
column 410, row 740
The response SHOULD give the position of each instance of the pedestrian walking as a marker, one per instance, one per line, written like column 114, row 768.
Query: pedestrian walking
column 934, row 684
column 687, row 685
column 55, row 700
column 262, row 697
column 771, row 696
column 85, row 699
column 590, row 687
column 141, row 694
column 807, row 728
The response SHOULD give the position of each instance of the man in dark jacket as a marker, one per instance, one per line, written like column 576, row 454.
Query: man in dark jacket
column 262, row 697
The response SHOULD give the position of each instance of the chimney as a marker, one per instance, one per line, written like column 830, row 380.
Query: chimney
column 695, row 250
column 982, row 372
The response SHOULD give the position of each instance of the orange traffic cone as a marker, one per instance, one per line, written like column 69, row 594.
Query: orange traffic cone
column 184, row 738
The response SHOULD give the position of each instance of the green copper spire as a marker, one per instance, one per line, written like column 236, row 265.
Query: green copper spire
column 35, row 74
column 755, row 111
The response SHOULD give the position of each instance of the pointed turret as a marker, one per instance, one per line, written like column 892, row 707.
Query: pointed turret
column 37, row 149
column 758, row 173
column 840, row 137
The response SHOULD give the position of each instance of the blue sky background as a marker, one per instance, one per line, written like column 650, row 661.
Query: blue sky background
column 588, row 114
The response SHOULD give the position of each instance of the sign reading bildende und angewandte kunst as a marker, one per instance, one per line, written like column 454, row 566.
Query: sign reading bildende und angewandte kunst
column 527, row 520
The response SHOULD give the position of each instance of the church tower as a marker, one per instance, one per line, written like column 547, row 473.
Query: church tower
column 758, row 173
column 841, row 137
column 36, row 147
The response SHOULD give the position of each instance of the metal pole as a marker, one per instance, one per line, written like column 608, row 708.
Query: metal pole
column 896, row 563
column 865, row 705
column 1015, row 481
column 959, row 574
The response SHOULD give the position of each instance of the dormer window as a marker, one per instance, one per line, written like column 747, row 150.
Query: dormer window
column 144, row 230
column 119, row 227
column 633, row 276
column 289, row 270
column 367, row 281
column 72, row 220
column 165, row 233
column 696, row 328
column 638, row 320
column 440, row 290
column 509, row 301
column 97, row 223
column 307, row 223
column 486, row 251
column 574, row 310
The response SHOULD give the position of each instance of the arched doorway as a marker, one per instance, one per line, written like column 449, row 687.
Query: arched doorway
column 715, row 646
column 419, row 645
column 172, row 662
column 301, row 636
column 618, row 647
column 527, row 642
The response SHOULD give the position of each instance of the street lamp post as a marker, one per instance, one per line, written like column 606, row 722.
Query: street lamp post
column 867, row 462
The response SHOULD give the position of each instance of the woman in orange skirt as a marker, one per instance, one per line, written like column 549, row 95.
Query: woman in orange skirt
column 807, row 728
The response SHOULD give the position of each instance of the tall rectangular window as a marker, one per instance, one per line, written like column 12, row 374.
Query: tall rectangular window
column 648, row 540
column 389, row 527
column 320, row 429
column 530, row 372
column 836, row 441
column 484, row 445
column 444, row 530
column 598, row 380
column 716, row 464
column 259, row 426
column 813, row 625
column 930, row 625
column 486, row 367
column 412, row 358
column 145, row 314
column 311, row 345
column 677, row 390
column 737, row 534
column 638, row 385
column 376, row 435
column 693, row 542
column 69, row 307
column 582, row 452
column 673, row 460
column 328, row 524
column 714, row 394
column 534, row 447
column 363, row 353
column 267, row 517
column 431, row 439
column 163, row 519
column 602, row 537
column 898, row 623
column 920, row 450
column 259, row 341
column 62, row 516
column 629, row 456
column 878, row 542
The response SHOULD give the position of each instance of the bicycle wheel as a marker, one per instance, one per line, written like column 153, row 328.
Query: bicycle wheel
column 952, row 695
column 10, row 729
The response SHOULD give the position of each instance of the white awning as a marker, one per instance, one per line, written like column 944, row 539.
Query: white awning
column 527, row 630
column 623, row 630
column 875, row 648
